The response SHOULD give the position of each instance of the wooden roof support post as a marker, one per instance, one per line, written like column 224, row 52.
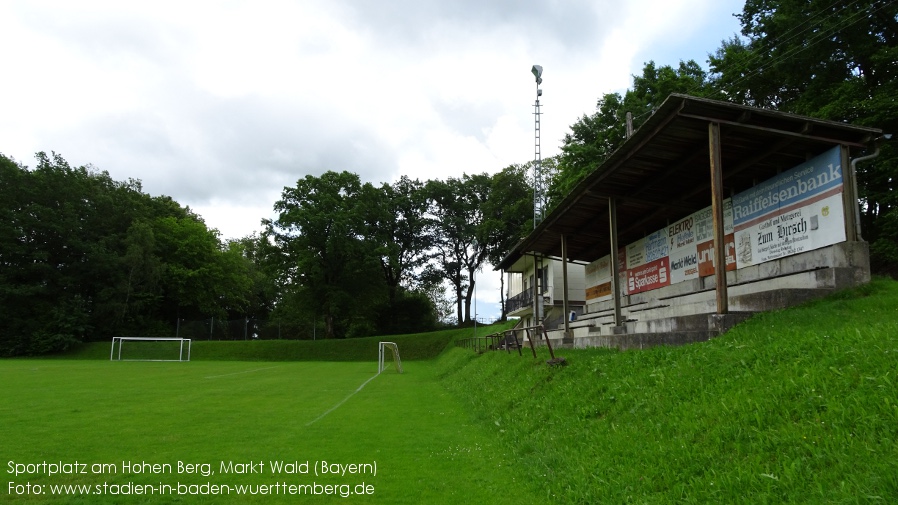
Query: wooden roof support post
column 720, row 263
column 534, row 318
column 849, row 198
column 537, row 290
column 568, row 338
column 615, row 271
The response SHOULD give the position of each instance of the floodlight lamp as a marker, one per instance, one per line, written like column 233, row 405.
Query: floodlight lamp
column 537, row 71
column 887, row 136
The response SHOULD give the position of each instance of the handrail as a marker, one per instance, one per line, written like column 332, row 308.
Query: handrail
column 520, row 300
column 492, row 341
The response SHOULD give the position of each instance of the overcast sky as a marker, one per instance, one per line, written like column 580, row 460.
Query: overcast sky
column 222, row 104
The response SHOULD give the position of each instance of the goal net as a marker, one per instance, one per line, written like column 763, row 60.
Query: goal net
column 149, row 349
column 394, row 350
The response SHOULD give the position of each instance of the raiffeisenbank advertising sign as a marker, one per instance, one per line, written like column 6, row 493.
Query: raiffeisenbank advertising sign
column 796, row 211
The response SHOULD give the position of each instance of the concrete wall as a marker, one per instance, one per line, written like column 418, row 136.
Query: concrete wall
column 576, row 274
column 846, row 264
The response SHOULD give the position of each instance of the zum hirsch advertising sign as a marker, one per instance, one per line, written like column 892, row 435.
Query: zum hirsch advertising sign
column 798, row 210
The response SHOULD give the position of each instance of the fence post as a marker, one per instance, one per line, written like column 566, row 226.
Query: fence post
column 549, row 344
column 530, row 339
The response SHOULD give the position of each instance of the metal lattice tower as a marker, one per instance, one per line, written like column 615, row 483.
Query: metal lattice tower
column 539, row 182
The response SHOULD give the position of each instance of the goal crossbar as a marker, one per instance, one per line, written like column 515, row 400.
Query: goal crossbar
column 183, row 352
column 394, row 350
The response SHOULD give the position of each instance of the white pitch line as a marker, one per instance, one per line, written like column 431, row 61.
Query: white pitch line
column 238, row 373
column 335, row 407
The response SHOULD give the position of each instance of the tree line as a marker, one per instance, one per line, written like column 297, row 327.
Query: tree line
column 84, row 257
column 373, row 259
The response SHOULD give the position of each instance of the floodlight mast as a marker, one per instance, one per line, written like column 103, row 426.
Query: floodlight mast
column 539, row 194
column 539, row 183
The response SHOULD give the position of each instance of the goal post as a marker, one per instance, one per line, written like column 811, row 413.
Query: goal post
column 149, row 349
column 394, row 350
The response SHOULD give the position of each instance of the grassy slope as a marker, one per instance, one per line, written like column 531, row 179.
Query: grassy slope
column 796, row 406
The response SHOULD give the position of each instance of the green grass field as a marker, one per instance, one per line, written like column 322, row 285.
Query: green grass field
column 793, row 406
column 425, row 448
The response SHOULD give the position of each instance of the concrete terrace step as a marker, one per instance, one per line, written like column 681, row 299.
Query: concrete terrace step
column 644, row 340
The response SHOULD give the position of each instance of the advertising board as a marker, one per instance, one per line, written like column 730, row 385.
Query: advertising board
column 798, row 210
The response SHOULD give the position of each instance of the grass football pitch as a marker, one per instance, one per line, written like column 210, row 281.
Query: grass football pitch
column 275, row 432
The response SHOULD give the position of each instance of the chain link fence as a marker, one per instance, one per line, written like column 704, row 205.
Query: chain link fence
column 244, row 329
column 261, row 329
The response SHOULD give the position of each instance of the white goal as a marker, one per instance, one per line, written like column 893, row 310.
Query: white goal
column 394, row 349
column 149, row 349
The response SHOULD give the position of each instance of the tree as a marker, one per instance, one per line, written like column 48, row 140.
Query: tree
column 811, row 57
column 591, row 140
column 325, row 262
column 60, row 251
column 460, row 235
column 508, row 214
column 397, row 228
column 140, row 285
column 262, row 296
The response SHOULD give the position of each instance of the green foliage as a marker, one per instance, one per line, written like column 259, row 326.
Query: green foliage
column 396, row 230
column 508, row 210
column 85, row 257
column 460, row 233
column 349, row 251
column 324, row 259
column 795, row 406
column 810, row 57
column 196, row 271
column 408, row 311
column 395, row 216
column 411, row 347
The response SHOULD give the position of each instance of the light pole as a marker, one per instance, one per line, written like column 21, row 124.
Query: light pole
column 538, row 183
column 539, row 192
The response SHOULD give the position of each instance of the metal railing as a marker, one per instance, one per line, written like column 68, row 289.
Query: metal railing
column 480, row 344
column 508, row 340
column 520, row 300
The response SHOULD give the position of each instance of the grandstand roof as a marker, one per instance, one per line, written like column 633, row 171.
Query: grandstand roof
column 663, row 172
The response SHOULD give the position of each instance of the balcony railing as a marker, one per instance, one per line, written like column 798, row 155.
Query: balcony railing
column 520, row 300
